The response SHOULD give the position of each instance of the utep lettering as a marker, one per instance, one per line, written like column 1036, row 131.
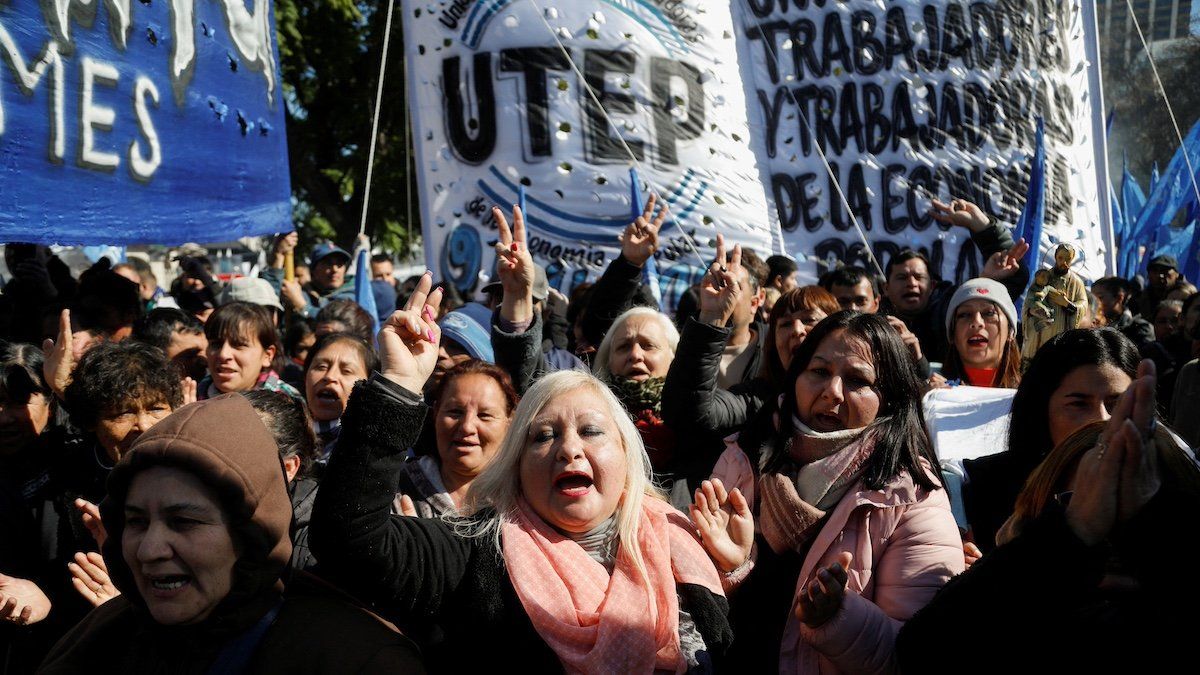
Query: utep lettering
column 473, row 139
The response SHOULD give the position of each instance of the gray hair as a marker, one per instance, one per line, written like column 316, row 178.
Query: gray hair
column 604, row 352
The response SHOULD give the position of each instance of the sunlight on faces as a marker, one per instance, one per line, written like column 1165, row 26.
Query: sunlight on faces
column 860, row 297
column 178, row 545
column 909, row 286
column 331, row 378
column 573, row 467
column 236, row 364
column 117, row 429
column 836, row 391
column 469, row 423
column 981, row 333
column 640, row 350
column 791, row 329
column 1087, row 394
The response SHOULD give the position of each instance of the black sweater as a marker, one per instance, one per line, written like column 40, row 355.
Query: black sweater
column 448, row 591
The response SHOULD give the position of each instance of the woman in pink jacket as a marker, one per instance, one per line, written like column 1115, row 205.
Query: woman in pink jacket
column 856, row 534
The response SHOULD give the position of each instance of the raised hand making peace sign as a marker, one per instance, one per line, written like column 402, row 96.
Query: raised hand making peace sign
column 408, row 342
column 720, row 290
column 514, row 266
column 639, row 241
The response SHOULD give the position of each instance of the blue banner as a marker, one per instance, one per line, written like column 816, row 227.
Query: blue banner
column 1029, row 226
column 140, row 122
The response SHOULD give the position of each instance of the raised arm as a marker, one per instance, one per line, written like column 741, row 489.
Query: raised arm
column 691, row 397
column 616, row 288
column 516, row 327
column 404, row 566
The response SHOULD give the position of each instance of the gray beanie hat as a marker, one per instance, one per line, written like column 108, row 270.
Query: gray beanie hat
column 981, row 289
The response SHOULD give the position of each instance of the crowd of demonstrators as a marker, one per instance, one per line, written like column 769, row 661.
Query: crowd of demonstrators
column 248, row 477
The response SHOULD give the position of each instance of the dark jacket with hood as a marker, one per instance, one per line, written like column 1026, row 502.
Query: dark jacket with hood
column 258, row 627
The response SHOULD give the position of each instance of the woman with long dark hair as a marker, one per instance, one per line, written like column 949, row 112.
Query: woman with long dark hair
column 1078, row 576
column 1074, row 379
column 856, row 534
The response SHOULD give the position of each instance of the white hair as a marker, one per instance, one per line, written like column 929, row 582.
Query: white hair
column 604, row 352
column 499, row 486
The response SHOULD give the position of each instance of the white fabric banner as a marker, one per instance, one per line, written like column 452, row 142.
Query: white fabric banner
column 912, row 100
column 564, row 98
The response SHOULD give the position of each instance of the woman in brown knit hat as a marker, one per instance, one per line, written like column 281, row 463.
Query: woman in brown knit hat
column 198, row 545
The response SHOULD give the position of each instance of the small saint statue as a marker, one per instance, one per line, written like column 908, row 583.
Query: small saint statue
column 1054, row 304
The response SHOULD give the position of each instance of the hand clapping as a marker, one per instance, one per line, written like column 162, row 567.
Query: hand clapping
column 725, row 524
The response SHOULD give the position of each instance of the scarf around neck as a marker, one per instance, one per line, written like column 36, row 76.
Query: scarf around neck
column 638, row 396
column 597, row 622
column 801, row 482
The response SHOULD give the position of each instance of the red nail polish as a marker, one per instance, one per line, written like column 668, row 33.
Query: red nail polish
column 429, row 334
column 514, row 246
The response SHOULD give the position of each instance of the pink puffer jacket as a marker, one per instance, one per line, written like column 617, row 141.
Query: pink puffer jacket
column 906, row 546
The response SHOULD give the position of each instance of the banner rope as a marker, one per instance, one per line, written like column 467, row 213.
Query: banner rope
column 1163, row 92
column 611, row 122
column 837, row 185
column 387, row 36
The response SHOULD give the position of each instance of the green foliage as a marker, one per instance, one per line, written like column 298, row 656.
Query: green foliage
column 329, row 52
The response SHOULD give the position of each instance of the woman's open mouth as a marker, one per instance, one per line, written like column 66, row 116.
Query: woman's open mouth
column 977, row 341
column 167, row 585
column 827, row 422
column 573, row 483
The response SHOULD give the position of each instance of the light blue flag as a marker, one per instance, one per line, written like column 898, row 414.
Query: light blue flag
column 1174, row 241
column 1174, row 190
column 1029, row 226
column 650, row 269
column 1154, row 178
column 1133, row 200
column 362, row 287
column 1188, row 260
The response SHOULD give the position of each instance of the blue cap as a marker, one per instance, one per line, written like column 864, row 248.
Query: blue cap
column 470, row 326
column 326, row 249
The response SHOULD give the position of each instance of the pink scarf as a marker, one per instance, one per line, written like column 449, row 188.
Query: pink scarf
column 597, row 623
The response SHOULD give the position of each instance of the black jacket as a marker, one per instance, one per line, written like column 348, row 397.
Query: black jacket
column 448, row 591
column 1037, row 601
column 691, row 398
column 613, row 293
column 929, row 325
